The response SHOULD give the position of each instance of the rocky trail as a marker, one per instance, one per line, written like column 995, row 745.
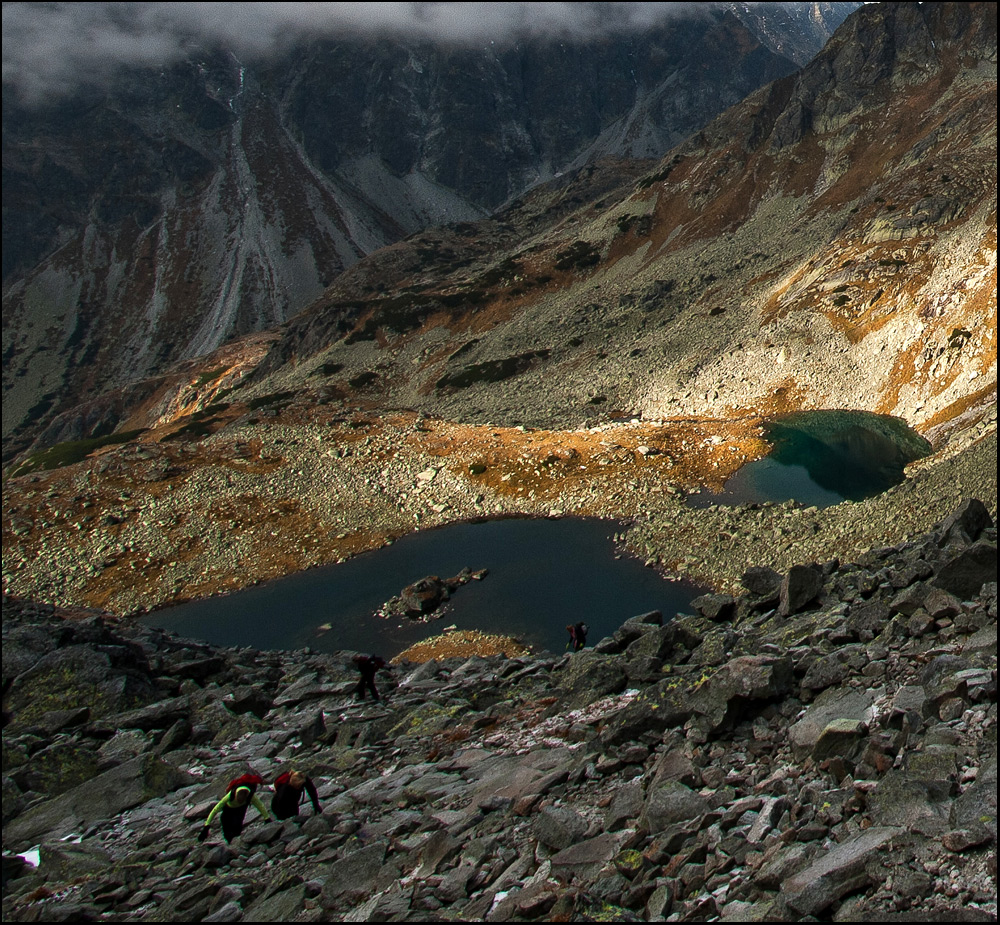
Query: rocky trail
column 820, row 748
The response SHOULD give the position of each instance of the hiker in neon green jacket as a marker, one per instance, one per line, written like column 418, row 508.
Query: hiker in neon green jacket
column 233, row 807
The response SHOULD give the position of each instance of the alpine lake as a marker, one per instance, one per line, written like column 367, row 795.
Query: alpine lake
column 542, row 574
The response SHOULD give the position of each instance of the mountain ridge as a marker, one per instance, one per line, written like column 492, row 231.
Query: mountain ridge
column 214, row 198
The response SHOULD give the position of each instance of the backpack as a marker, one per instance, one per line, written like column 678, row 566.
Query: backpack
column 250, row 781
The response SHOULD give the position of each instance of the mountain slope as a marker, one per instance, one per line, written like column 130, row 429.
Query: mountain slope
column 217, row 197
column 831, row 242
column 597, row 348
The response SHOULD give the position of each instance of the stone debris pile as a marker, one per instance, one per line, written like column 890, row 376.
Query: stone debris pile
column 821, row 747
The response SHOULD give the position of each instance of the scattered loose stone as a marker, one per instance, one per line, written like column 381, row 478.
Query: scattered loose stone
column 786, row 779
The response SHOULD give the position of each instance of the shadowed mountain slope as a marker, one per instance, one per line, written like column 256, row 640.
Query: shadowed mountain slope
column 216, row 197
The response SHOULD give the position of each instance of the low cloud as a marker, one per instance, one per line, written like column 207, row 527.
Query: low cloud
column 52, row 49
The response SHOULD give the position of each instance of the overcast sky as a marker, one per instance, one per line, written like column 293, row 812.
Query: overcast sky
column 53, row 48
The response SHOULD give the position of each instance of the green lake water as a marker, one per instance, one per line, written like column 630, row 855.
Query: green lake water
column 822, row 458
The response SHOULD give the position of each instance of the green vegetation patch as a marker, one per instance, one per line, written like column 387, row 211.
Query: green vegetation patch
column 72, row 451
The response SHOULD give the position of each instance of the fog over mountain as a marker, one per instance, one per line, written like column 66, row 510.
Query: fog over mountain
column 51, row 49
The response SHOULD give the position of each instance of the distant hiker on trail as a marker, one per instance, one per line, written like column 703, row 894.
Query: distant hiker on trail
column 577, row 636
column 368, row 665
column 289, row 788
column 241, row 793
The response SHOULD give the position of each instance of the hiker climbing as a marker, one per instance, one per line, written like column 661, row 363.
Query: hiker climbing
column 577, row 636
column 289, row 789
column 368, row 665
column 240, row 794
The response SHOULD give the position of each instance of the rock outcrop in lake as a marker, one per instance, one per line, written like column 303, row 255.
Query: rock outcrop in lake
column 821, row 747
column 423, row 599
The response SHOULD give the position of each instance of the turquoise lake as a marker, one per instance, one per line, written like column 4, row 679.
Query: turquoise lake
column 822, row 458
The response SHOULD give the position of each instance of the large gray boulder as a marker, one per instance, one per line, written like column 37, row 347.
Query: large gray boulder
column 840, row 871
column 965, row 573
column 103, row 797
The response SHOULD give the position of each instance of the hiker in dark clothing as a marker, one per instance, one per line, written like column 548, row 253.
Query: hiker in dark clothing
column 240, row 794
column 289, row 788
column 577, row 636
column 368, row 665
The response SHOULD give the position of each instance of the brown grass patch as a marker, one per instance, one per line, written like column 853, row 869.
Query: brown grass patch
column 462, row 644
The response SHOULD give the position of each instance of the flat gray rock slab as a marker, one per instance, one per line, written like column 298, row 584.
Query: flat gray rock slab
column 832, row 705
column 585, row 859
column 103, row 797
column 836, row 873
column 978, row 805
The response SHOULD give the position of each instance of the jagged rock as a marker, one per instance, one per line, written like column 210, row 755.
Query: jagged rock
column 590, row 676
column 763, row 584
column 671, row 803
column 584, row 859
column 831, row 706
column 841, row 738
column 966, row 524
column 59, row 767
column 977, row 806
column 867, row 621
column 159, row 715
column 281, row 906
column 75, row 677
column 230, row 912
column 66, row 861
column 350, row 878
column 559, row 827
column 799, row 587
column 656, row 643
column 965, row 573
column 918, row 803
column 625, row 806
column 666, row 704
column 102, row 797
column 424, row 596
column 56, row 720
column 746, row 678
column 715, row 606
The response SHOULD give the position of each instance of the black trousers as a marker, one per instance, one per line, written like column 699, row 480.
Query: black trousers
column 232, row 821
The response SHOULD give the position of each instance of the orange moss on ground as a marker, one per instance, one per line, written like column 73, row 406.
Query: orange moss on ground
column 462, row 644
column 967, row 403
column 547, row 465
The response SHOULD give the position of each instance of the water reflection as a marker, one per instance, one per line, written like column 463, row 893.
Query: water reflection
column 543, row 575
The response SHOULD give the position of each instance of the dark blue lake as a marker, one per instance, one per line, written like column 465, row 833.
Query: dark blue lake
column 543, row 575
column 822, row 458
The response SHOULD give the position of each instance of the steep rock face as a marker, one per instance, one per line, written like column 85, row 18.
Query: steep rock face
column 215, row 198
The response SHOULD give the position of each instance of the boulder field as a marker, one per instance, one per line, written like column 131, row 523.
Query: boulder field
column 821, row 747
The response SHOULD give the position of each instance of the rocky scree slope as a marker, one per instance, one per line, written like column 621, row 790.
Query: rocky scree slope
column 822, row 747
column 217, row 196
column 828, row 243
